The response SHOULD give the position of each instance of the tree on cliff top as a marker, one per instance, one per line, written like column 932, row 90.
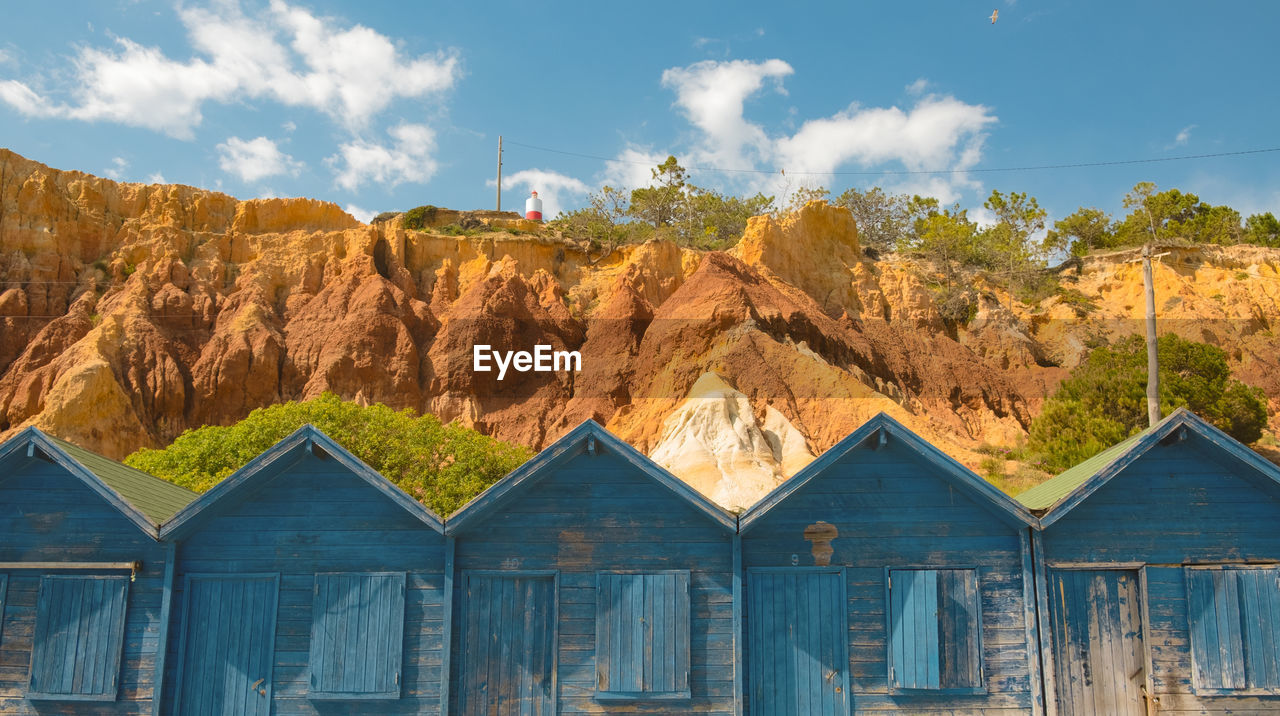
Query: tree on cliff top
column 1104, row 400
column 442, row 466
column 669, row 208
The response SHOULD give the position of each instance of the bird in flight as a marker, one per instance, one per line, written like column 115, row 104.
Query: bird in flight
column 994, row 14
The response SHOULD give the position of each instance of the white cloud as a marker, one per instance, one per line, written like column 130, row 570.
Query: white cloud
column 5, row 57
column 713, row 94
column 983, row 217
column 553, row 189
column 25, row 100
column 918, row 87
column 255, row 159
column 283, row 53
column 409, row 159
column 938, row 132
column 156, row 178
column 361, row 215
column 289, row 126
column 945, row 188
column 632, row 169
column 1184, row 136
column 116, row 172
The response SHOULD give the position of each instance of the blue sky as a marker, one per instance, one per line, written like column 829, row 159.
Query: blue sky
column 378, row 105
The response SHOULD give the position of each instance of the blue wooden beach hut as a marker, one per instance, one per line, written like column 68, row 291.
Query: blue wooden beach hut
column 590, row 580
column 887, row 577
column 83, row 579
column 306, row 583
column 1158, row 572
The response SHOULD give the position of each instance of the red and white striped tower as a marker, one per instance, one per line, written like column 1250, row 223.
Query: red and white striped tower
column 533, row 207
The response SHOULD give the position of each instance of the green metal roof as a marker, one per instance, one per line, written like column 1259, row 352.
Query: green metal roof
column 1048, row 493
column 153, row 497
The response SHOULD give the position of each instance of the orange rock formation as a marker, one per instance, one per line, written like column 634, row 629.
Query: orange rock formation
column 129, row 313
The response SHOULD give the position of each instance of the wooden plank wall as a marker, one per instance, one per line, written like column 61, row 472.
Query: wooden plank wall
column 1176, row 504
column 597, row 513
column 317, row 517
column 892, row 510
column 47, row 514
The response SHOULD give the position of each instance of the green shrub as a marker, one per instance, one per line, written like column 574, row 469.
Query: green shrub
column 1104, row 399
column 419, row 217
column 443, row 466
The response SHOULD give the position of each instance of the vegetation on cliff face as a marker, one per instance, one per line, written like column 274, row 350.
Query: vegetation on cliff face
column 1169, row 216
column 1012, row 250
column 670, row 208
column 443, row 466
column 1104, row 400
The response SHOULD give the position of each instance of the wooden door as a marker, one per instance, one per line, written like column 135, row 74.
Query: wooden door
column 797, row 631
column 228, row 644
column 508, row 645
column 1097, row 636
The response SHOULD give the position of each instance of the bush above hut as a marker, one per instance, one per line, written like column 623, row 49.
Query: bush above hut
column 442, row 466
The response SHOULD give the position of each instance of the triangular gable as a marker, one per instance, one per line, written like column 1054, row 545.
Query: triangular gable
column 587, row 436
column 275, row 460
column 1057, row 496
column 884, row 427
column 144, row 499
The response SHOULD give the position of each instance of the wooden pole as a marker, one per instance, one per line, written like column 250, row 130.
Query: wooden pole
column 1153, row 358
column 499, row 172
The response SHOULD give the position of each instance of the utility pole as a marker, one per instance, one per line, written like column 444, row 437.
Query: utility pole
column 1153, row 353
column 499, row 172
column 1153, row 357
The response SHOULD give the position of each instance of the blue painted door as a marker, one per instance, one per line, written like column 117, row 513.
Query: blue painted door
column 508, row 645
column 228, row 642
column 1097, row 636
column 797, row 643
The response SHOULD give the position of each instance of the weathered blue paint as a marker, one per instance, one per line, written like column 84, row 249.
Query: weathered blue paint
column 508, row 644
column 882, row 499
column 446, row 637
column 799, row 663
column 1030, row 617
column 357, row 635
column 1235, row 619
column 55, row 510
column 935, row 630
column 739, row 662
column 75, row 654
column 225, row 666
column 589, row 506
column 1097, row 628
column 1184, row 496
column 4, row 593
column 166, row 607
column 642, row 643
column 324, row 524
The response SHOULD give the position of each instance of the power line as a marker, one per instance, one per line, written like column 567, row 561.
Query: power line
column 894, row 172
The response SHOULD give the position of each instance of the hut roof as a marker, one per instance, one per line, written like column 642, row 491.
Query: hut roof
column 243, row 482
column 588, row 436
column 1058, row 495
column 881, row 428
column 145, row 499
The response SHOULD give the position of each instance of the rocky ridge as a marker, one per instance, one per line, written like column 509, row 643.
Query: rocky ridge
column 131, row 312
